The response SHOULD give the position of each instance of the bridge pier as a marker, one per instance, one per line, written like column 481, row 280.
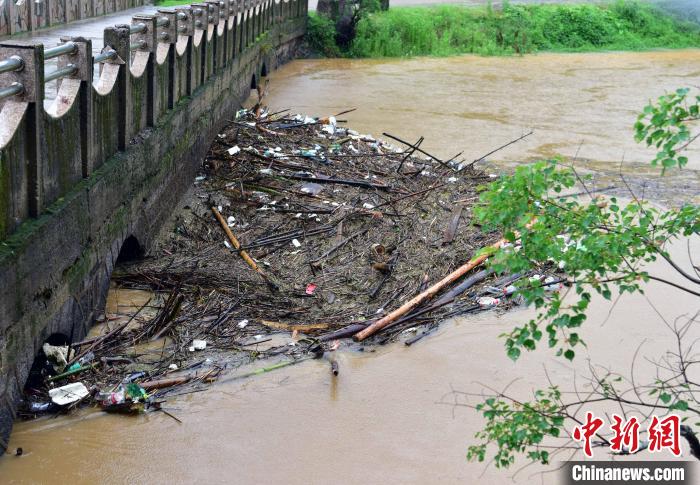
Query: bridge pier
column 110, row 161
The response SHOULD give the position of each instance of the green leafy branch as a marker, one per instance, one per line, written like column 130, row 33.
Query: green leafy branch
column 665, row 125
column 598, row 245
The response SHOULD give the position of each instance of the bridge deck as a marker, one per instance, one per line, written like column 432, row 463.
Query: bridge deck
column 91, row 28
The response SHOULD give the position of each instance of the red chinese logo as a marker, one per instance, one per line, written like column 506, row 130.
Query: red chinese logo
column 626, row 434
column 586, row 431
column 665, row 433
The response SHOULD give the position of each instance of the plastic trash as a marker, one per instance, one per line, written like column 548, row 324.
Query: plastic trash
column 242, row 324
column 111, row 398
column 233, row 150
column 128, row 398
column 552, row 284
column 57, row 355
column 296, row 243
column 507, row 291
column 310, row 288
column 39, row 407
column 198, row 345
column 133, row 376
column 87, row 358
column 173, row 367
column 68, row 394
column 311, row 188
column 488, row 302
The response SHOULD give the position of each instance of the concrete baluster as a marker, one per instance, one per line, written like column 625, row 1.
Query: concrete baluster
column 270, row 13
column 166, row 77
column 145, row 54
column 243, row 12
column 27, row 197
column 184, row 64
column 216, row 41
column 256, row 19
column 263, row 26
column 237, row 27
column 250, row 34
column 82, row 59
column 226, row 16
column 242, row 16
column 118, row 38
column 206, row 48
column 199, row 53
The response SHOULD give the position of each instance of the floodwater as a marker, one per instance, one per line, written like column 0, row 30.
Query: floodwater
column 585, row 103
column 389, row 416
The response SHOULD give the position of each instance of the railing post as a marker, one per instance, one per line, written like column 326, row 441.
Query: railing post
column 258, row 18
column 82, row 59
column 270, row 13
column 251, row 22
column 212, row 10
column 168, row 35
column 119, row 39
column 31, row 77
column 254, row 20
column 240, row 25
column 185, row 28
column 226, row 11
column 201, row 24
column 150, row 41
column 214, row 19
column 246, row 24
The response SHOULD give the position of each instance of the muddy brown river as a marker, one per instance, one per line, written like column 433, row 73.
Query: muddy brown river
column 389, row 416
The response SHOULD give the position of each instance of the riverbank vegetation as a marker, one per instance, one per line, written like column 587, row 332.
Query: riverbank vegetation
column 513, row 29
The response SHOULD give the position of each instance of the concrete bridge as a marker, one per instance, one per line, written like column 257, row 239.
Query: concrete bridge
column 91, row 173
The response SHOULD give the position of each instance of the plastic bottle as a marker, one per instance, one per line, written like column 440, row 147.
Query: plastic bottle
column 39, row 407
column 110, row 398
column 488, row 302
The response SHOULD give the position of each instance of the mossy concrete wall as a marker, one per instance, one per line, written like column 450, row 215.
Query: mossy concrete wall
column 55, row 269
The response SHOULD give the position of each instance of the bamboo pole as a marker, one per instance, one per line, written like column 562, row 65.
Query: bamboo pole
column 426, row 295
column 246, row 257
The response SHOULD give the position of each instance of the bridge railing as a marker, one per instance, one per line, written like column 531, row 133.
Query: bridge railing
column 27, row 15
column 102, row 102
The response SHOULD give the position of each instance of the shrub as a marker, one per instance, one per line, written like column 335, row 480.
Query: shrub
column 320, row 34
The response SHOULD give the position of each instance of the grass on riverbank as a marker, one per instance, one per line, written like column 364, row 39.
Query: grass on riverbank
column 172, row 3
column 449, row 30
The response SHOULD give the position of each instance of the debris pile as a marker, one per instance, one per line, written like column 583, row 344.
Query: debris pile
column 296, row 226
